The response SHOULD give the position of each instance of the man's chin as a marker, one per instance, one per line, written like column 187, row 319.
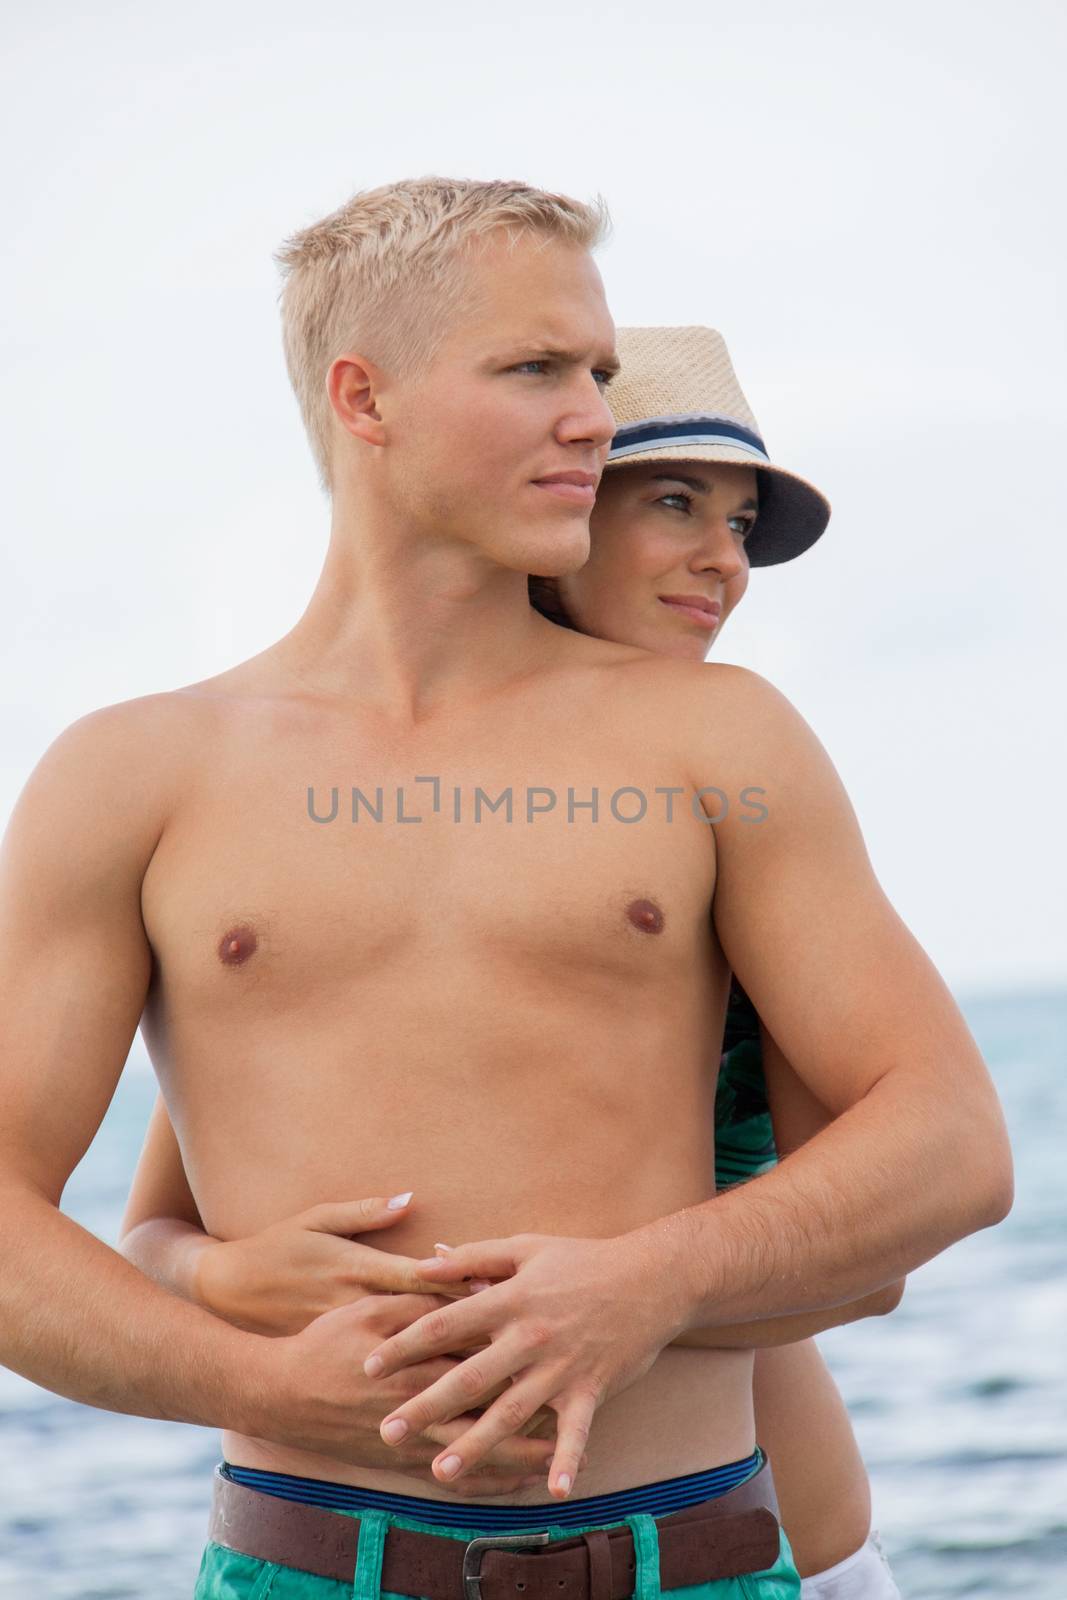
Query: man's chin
column 553, row 548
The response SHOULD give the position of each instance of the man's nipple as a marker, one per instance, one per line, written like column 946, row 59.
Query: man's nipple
column 646, row 915
column 236, row 945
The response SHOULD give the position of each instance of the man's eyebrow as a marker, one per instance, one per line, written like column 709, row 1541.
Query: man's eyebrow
column 575, row 358
column 699, row 485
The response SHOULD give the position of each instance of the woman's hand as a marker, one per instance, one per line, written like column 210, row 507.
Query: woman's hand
column 280, row 1279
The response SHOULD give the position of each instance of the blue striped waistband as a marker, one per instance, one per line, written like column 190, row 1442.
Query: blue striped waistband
column 654, row 1499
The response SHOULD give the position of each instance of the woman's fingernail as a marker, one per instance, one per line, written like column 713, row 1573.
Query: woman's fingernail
column 399, row 1201
column 425, row 1266
column 445, row 1247
column 374, row 1366
column 564, row 1482
column 393, row 1432
column 449, row 1466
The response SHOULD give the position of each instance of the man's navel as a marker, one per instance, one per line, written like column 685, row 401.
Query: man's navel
column 236, row 945
column 646, row 915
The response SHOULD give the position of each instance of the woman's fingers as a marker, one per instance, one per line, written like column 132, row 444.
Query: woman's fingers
column 491, row 1258
column 380, row 1272
column 369, row 1267
column 357, row 1216
column 376, row 1270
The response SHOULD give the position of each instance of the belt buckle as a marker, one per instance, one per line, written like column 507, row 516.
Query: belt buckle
column 472, row 1556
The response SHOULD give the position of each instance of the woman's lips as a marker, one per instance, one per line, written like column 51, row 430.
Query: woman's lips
column 695, row 613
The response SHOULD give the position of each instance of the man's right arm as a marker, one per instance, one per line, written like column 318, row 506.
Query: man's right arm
column 75, row 963
column 75, row 1316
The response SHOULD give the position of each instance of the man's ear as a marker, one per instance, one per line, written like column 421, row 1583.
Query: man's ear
column 352, row 384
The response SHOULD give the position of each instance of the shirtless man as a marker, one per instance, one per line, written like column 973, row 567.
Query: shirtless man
column 518, row 1018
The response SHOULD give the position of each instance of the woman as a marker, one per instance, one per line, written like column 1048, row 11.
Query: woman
column 688, row 490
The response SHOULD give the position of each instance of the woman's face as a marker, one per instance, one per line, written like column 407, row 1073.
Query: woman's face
column 664, row 528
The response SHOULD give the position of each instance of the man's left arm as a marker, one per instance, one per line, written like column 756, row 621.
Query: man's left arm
column 917, row 1155
column 796, row 1117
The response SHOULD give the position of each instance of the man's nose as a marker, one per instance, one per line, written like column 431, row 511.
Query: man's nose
column 590, row 417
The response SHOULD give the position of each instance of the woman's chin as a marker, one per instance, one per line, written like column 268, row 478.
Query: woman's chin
column 681, row 647
column 659, row 640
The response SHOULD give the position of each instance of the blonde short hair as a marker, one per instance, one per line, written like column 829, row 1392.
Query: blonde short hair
column 385, row 275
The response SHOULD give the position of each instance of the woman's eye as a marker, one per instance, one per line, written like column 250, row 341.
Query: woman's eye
column 528, row 364
column 742, row 525
column 604, row 377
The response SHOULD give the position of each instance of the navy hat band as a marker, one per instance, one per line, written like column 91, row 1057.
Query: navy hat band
column 660, row 432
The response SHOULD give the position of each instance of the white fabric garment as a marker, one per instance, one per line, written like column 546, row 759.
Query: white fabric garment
column 865, row 1575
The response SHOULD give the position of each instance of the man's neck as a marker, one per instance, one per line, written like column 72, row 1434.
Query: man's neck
column 412, row 626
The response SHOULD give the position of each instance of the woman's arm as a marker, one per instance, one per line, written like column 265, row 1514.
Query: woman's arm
column 796, row 1116
column 161, row 1230
column 274, row 1282
column 791, row 1330
column 281, row 1279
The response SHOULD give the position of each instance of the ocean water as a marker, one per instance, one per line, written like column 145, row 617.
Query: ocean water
column 959, row 1398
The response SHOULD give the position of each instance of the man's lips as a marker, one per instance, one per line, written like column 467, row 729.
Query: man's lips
column 579, row 487
column 697, row 607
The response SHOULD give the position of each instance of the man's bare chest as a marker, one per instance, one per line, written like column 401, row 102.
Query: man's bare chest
column 312, row 855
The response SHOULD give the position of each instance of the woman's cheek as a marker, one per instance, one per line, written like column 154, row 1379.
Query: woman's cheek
column 739, row 585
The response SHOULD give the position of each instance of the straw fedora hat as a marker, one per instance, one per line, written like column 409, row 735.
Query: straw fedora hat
column 677, row 398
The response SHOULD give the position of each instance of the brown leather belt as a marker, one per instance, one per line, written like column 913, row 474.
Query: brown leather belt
column 722, row 1538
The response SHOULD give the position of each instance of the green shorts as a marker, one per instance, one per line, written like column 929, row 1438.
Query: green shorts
column 228, row 1575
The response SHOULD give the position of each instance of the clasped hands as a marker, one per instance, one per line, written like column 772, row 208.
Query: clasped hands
column 565, row 1324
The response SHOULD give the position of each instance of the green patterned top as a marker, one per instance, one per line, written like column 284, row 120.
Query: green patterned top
column 744, row 1137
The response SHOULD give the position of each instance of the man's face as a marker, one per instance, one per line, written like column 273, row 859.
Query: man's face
column 515, row 395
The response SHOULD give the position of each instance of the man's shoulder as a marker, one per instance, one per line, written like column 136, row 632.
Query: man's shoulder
column 729, row 726
column 723, row 683
column 114, row 769
column 126, row 730
column 714, row 694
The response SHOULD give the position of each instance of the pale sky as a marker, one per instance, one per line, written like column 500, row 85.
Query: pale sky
column 865, row 205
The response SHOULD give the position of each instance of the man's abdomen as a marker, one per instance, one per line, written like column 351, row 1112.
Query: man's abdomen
column 692, row 1410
